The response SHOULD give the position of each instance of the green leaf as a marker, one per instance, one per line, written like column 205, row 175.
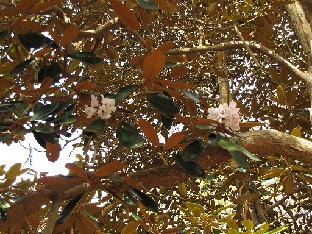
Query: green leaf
column 190, row 95
column 123, row 92
column 42, row 111
column 96, row 126
column 193, row 151
column 249, row 225
column 42, row 138
column 68, row 208
column 129, row 136
column 166, row 121
column 278, row 229
column 21, row 66
column 85, row 57
column 148, row 202
column 53, row 70
column 163, row 103
column 32, row 40
column 191, row 206
column 148, row 4
column 231, row 145
column 42, row 128
column 190, row 167
column 240, row 159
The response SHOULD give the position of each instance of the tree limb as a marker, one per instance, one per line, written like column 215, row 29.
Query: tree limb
column 240, row 44
column 261, row 143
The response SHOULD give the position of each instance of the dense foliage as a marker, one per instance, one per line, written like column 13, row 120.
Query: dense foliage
column 134, row 80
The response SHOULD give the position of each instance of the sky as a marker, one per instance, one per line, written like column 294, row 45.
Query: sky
column 16, row 153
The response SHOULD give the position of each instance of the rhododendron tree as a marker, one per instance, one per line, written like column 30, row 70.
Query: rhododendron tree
column 191, row 116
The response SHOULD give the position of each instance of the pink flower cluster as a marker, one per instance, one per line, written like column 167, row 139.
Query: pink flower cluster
column 103, row 108
column 227, row 114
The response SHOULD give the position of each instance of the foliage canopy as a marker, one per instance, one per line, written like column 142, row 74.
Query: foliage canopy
column 156, row 163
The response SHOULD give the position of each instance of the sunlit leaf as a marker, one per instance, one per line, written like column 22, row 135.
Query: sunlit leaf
column 126, row 16
column 182, row 189
column 13, row 171
column 69, row 35
column 153, row 64
column 131, row 227
column 249, row 225
column 165, row 47
column 109, row 169
column 174, row 140
column 289, row 184
column 178, row 71
column 43, row 6
column 149, row 132
column 77, row 171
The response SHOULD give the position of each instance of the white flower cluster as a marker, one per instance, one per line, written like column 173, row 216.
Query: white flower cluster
column 227, row 114
column 103, row 108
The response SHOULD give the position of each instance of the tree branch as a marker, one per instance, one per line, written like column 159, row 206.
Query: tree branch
column 261, row 143
column 240, row 44
column 99, row 32
column 52, row 216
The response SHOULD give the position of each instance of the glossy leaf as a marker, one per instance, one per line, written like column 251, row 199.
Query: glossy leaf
column 163, row 103
column 126, row 16
column 43, row 138
column 153, row 64
column 149, row 132
column 193, row 151
column 240, row 159
column 32, row 40
column 42, row 111
column 123, row 92
column 191, row 95
column 21, row 66
column 192, row 168
column 148, row 202
column 96, row 126
column 68, row 208
column 85, row 57
column 129, row 136
column 53, row 70
column 110, row 168
column 77, row 171
column 148, row 4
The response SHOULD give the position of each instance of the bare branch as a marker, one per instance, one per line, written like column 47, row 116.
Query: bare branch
column 99, row 32
column 240, row 44
column 52, row 216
